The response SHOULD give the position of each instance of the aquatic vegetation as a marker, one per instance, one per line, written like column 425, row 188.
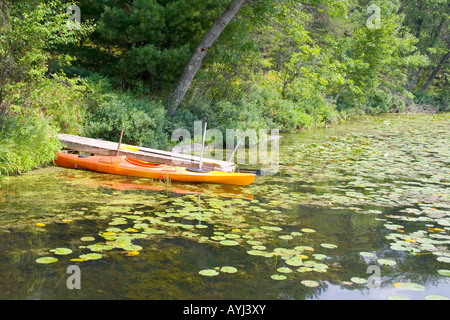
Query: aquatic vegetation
column 46, row 260
column 310, row 283
column 278, row 277
column 284, row 270
column 61, row 251
column 328, row 245
column 358, row 280
column 87, row 239
column 435, row 297
column 91, row 256
column 367, row 254
column 387, row 262
column 228, row 269
column 410, row 286
column 229, row 243
column 349, row 200
column 444, row 272
column 208, row 272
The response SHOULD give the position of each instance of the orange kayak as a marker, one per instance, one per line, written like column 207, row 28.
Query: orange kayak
column 126, row 166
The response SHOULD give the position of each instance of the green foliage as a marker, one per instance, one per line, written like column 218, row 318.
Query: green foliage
column 258, row 108
column 28, row 36
column 428, row 21
column 60, row 99
column 26, row 142
column 142, row 40
column 34, row 106
column 142, row 121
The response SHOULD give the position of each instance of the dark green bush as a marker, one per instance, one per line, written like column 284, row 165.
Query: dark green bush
column 439, row 99
column 142, row 120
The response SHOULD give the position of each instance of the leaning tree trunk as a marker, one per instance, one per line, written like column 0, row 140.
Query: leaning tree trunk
column 195, row 62
column 435, row 72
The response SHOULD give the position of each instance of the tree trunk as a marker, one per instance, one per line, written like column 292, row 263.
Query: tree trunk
column 199, row 54
column 435, row 72
column 411, row 82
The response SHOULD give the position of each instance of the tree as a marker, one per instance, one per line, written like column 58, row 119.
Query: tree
column 428, row 21
column 435, row 72
column 200, row 52
column 30, row 34
column 143, row 43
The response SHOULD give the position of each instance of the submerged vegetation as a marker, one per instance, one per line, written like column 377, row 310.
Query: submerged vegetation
column 278, row 64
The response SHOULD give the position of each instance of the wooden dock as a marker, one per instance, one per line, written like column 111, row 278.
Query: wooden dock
column 108, row 148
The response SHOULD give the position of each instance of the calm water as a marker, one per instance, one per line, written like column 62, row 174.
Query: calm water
column 359, row 211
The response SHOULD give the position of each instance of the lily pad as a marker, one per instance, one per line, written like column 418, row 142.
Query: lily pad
column 99, row 247
column 132, row 247
column 278, row 277
column 208, row 272
column 435, row 297
column 257, row 253
column 444, row 259
column 231, row 236
column 294, row 262
column 87, row 238
column 444, row 272
column 91, row 256
column 229, row 243
column 387, row 262
column 218, row 238
column 271, row 228
column 284, row 270
column 61, row 251
column 397, row 298
column 228, row 269
column 328, row 245
column 358, row 280
column 319, row 256
column 409, row 286
column 118, row 221
column 367, row 254
column 153, row 231
column 259, row 247
column 46, row 260
column 302, row 248
column 310, row 283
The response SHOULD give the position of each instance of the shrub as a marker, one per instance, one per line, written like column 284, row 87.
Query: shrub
column 62, row 100
column 26, row 142
column 438, row 98
column 142, row 120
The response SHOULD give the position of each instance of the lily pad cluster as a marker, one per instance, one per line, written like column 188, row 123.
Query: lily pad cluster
column 216, row 271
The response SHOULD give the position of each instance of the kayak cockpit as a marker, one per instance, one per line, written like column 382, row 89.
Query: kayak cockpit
column 142, row 163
